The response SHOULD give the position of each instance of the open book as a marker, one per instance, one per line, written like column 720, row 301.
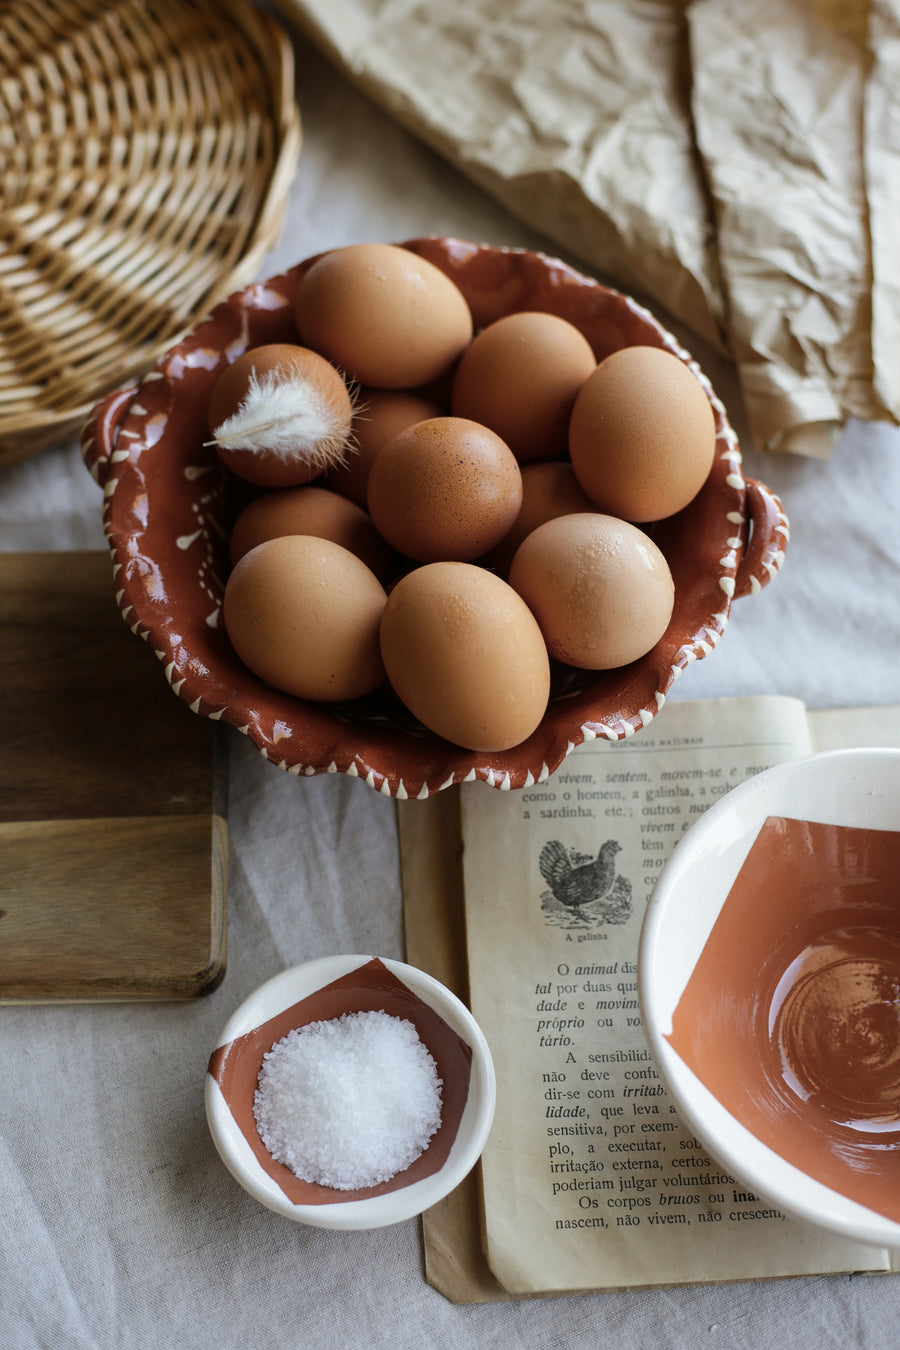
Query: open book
column 589, row 1180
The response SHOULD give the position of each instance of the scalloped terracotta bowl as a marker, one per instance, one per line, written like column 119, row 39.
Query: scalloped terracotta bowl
column 168, row 506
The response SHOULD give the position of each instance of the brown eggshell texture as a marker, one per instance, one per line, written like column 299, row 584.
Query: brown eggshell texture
column 380, row 415
column 385, row 316
column 444, row 490
column 312, row 510
column 297, row 407
column 466, row 656
column 303, row 614
column 520, row 377
column 548, row 490
column 642, row 434
column 600, row 589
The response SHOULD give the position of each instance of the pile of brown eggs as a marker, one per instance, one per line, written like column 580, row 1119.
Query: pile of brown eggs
column 444, row 509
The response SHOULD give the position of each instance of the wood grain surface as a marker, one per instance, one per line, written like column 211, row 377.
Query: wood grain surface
column 113, row 842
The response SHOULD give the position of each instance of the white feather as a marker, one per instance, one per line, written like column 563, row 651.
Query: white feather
column 288, row 418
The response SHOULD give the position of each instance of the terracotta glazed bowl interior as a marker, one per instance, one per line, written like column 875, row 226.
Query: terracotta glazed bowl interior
column 323, row 990
column 769, row 982
column 169, row 505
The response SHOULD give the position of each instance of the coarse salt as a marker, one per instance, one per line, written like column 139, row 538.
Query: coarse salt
column 349, row 1102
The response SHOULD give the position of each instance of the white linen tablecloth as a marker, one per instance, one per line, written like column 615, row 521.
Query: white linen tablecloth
column 119, row 1227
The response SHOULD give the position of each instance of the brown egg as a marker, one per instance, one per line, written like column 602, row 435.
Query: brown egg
column 599, row 588
column 642, row 434
column 464, row 654
column 280, row 415
column 303, row 614
column 548, row 490
column 520, row 377
column 312, row 510
column 384, row 315
column 380, row 415
column 445, row 489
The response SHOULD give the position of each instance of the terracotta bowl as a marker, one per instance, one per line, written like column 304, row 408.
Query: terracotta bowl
column 168, row 506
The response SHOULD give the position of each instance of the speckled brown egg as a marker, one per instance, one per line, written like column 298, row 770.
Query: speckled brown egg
column 642, row 434
column 520, row 376
column 445, row 489
column 303, row 614
column 598, row 586
column 385, row 316
column 548, row 490
column 280, row 415
column 465, row 655
column 312, row 510
column 380, row 415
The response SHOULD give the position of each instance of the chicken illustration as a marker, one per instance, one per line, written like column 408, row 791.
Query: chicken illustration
column 577, row 885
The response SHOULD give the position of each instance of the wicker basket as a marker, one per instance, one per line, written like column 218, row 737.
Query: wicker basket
column 146, row 152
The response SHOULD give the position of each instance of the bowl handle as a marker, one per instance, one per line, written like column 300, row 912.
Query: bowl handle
column 769, row 534
column 99, row 433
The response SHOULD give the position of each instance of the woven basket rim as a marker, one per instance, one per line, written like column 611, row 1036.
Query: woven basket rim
column 220, row 116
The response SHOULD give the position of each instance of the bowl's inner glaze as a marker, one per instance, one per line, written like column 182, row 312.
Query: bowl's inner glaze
column 791, row 1016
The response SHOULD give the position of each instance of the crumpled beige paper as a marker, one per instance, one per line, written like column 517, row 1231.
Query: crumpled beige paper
column 779, row 110
column 882, row 168
column 733, row 163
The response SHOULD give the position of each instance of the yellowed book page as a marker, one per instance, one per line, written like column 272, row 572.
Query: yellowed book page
column 430, row 861
column 843, row 728
column 589, row 1178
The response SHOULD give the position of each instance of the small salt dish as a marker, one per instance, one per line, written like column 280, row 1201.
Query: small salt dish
column 321, row 991
column 769, row 986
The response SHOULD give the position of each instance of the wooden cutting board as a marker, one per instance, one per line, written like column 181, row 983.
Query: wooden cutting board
column 113, row 842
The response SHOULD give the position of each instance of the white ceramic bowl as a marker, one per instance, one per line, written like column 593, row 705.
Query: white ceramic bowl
column 321, row 990
column 818, row 877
